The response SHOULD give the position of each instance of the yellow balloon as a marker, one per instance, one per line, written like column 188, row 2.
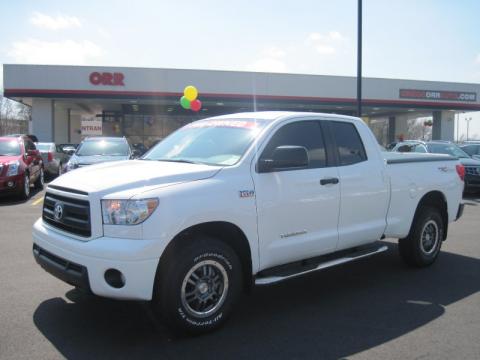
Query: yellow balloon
column 190, row 92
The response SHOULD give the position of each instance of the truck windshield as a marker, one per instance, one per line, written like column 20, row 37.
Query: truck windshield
column 9, row 148
column 448, row 149
column 211, row 142
column 103, row 147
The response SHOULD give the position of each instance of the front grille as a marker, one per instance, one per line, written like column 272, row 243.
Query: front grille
column 75, row 217
column 472, row 170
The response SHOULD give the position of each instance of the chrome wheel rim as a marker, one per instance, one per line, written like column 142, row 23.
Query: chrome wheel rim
column 26, row 185
column 42, row 177
column 430, row 235
column 204, row 288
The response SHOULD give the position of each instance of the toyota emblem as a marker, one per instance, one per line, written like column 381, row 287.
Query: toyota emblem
column 58, row 211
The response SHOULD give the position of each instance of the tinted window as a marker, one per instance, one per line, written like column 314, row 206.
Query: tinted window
column 471, row 149
column 448, row 149
column 349, row 144
column 303, row 133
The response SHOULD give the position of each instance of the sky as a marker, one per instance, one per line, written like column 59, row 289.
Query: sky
column 410, row 39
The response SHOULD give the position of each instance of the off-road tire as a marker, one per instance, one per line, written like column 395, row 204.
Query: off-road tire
column 200, row 253
column 417, row 249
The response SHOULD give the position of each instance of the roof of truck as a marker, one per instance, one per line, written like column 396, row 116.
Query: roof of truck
column 276, row 115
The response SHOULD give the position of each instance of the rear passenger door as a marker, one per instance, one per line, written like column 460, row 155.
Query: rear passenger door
column 297, row 209
column 363, row 187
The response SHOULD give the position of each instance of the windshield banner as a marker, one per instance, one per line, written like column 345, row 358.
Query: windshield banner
column 91, row 126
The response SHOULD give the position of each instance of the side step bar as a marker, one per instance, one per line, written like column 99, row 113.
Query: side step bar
column 322, row 265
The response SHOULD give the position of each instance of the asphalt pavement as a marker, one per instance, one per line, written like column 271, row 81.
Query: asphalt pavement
column 376, row 308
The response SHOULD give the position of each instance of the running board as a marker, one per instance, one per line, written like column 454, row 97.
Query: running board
column 266, row 280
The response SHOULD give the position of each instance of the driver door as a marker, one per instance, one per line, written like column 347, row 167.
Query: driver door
column 297, row 209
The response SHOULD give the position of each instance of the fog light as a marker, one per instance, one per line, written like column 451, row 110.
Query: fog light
column 114, row 278
column 10, row 184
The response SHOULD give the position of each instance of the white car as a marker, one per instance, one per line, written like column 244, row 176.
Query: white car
column 232, row 201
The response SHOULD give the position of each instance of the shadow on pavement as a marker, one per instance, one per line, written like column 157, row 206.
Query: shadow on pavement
column 328, row 315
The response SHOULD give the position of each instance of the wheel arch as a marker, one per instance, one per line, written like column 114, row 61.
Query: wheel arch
column 227, row 232
column 435, row 199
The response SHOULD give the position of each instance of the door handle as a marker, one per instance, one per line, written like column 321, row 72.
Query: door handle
column 329, row 181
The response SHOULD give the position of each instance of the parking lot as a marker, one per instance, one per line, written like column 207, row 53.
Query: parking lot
column 373, row 309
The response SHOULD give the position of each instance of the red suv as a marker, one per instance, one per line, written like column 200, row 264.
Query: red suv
column 20, row 165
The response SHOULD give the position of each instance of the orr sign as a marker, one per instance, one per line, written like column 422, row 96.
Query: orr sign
column 438, row 95
column 107, row 78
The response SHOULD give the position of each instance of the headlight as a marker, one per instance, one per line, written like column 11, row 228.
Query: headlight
column 71, row 164
column 127, row 212
column 13, row 168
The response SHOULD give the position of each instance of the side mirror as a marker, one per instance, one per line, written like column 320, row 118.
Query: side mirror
column 285, row 158
column 69, row 152
column 136, row 154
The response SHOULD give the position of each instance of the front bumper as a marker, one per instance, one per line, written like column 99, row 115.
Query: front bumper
column 16, row 180
column 84, row 263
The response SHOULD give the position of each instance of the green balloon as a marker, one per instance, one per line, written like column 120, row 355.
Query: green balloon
column 185, row 102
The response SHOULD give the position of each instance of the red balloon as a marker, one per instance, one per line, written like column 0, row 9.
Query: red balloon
column 196, row 105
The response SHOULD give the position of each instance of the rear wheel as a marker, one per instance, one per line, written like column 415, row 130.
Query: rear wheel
column 196, row 289
column 422, row 246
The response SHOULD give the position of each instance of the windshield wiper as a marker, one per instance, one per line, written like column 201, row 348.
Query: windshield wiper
column 180, row 161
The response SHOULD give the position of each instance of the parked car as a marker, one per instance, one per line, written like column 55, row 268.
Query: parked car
column 253, row 198
column 68, row 149
column 95, row 150
column 472, row 148
column 472, row 166
column 54, row 159
column 20, row 166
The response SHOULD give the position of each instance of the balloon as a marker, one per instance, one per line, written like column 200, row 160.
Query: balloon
column 196, row 105
column 185, row 102
column 190, row 92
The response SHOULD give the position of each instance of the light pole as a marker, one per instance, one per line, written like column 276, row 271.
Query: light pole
column 359, row 59
column 468, row 125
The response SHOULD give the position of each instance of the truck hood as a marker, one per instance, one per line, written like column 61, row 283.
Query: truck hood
column 112, row 177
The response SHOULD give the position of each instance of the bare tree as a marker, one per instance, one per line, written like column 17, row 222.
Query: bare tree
column 14, row 117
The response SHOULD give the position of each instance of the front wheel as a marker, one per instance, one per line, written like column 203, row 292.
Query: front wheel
column 422, row 246
column 25, row 190
column 198, row 285
column 40, row 180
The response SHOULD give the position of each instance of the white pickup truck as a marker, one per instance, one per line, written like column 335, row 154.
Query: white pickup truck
column 228, row 202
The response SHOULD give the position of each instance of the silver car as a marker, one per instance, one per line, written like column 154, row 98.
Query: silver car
column 54, row 159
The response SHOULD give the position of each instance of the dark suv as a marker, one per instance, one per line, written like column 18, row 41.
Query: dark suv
column 472, row 166
column 20, row 165
column 96, row 150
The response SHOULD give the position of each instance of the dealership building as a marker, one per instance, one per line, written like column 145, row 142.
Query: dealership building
column 71, row 102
